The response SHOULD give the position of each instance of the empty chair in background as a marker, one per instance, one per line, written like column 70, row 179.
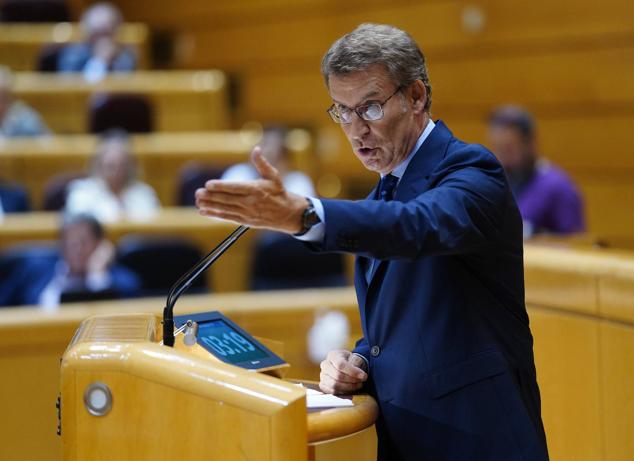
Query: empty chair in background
column 82, row 269
column 283, row 262
column 34, row 11
column 48, row 58
column 16, row 117
column 56, row 190
column 130, row 112
column 159, row 262
column 101, row 52
column 113, row 191
column 546, row 196
column 191, row 177
column 273, row 145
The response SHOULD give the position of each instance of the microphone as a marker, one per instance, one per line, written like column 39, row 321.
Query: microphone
column 183, row 283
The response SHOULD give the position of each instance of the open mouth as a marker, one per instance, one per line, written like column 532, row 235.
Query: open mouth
column 366, row 151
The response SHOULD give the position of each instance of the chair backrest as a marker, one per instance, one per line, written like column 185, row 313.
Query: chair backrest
column 48, row 57
column 159, row 262
column 56, row 190
column 281, row 261
column 34, row 11
column 191, row 177
column 130, row 112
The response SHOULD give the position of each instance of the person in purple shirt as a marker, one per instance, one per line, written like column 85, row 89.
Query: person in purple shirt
column 546, row 196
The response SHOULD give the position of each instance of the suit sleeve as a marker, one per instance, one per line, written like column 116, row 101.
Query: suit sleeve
column 461, row 211
column 363, row 349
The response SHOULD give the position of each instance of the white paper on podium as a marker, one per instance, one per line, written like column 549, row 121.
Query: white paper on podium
column 316, row 399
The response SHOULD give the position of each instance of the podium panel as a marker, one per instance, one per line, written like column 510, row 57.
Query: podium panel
column 125, row 397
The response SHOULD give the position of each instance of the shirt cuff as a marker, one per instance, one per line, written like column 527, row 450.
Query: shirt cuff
column 317, row 232
column 98, row 281
column 367, row 364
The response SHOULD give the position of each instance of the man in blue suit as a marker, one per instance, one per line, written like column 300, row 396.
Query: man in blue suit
column 81, row 270
column 447, row 349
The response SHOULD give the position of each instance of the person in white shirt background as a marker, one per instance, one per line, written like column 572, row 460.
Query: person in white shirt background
column 273, row 146
column 113, row 191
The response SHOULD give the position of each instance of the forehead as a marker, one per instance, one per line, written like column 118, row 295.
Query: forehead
column 357, row 87
column 504, row 133
column 114, row 151
column 78, row 229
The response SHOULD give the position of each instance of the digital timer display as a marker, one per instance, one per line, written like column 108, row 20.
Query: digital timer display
column 225, row 340
column 227, row 344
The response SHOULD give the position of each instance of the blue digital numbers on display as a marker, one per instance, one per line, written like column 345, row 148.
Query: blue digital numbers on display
column 226, row 343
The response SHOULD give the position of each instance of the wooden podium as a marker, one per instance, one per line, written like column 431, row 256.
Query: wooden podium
column 126, row 397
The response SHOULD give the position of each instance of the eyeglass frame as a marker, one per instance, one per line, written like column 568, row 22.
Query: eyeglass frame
column 331, row 110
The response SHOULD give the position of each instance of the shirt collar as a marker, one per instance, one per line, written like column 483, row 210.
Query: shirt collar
column 400, row 169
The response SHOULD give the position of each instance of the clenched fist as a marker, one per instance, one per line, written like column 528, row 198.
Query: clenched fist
column 342, row 372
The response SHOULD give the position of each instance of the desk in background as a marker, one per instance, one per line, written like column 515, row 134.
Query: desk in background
column 182, row 100
column 21, row 44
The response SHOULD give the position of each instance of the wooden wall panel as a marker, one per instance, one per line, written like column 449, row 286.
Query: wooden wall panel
column 615, row 294
column 556, row 84
column 317, row 23
column 567, row 360
column 617, row 390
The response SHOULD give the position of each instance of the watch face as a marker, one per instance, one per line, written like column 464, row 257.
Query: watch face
column 312, row 218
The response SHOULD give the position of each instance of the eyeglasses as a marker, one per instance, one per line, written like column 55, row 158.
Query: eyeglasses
column 370, row 112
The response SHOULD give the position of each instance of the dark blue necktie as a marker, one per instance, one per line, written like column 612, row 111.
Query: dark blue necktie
column 386, row 193
column 387, row 186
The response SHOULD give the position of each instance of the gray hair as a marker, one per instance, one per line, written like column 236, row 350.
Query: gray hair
column 381, row 44
column 515, row 117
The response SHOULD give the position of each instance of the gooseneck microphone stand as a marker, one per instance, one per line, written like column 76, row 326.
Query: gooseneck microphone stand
column 183, row 283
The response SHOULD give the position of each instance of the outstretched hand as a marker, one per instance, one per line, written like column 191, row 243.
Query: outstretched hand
column 260, row 203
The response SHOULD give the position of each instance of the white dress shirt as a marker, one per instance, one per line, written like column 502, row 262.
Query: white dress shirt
column 137, row 202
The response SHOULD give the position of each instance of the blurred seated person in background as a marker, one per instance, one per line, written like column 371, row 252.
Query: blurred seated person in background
column 273, row 145
column 16, row 117
column 83, row 271
column 112, row 191
column 13, row 198
column 547, row 198
column 100, row 52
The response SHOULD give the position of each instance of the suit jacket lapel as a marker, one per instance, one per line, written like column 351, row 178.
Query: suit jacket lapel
column 430, row 153
column 416, row 177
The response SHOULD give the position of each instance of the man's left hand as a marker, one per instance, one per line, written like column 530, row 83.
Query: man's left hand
column 260, row 203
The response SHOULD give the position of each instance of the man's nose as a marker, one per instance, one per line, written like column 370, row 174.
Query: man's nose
column 358, row 128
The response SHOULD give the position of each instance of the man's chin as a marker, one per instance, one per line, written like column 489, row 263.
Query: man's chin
column 374, row 166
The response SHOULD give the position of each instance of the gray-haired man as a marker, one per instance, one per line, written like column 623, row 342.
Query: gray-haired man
column 447, row 350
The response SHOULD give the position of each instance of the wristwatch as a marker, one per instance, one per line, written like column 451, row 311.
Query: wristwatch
column 309, row 218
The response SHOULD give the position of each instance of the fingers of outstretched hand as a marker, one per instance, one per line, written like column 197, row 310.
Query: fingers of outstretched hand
column 265, row 169
column 224, row 200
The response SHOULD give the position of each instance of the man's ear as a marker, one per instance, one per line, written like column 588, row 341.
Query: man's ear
column 419, row 96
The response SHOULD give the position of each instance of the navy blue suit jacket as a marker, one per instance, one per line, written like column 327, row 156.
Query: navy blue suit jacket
column 14, row 199
column 28, row 278
column 446, row 332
